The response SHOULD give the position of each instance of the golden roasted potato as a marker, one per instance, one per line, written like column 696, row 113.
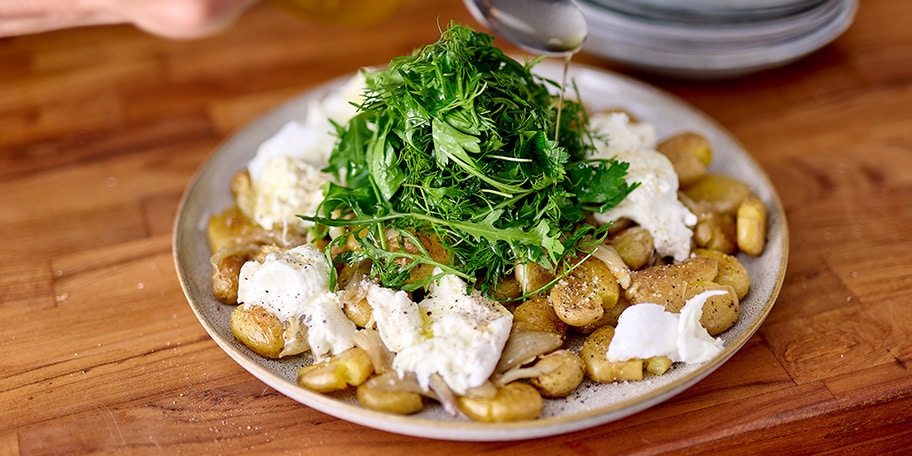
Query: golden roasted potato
column 610, row 317
column 717, row 231
column 598, row 368
column 690, row 154
column 565, row 372
column 582, row 296
column 536, row 314
column 532, row 276
column 724, row 194
column 731, row 272
column 226, row 270
column 720, row 312
column 507, row 289
column 398, row 402
column 258, row 329
column 227, row 228
column 751, row 226
column 635, row 246
column 431, row 244
column 514, row 402
column 667, row 285
column 658, row 365
column 336, row 373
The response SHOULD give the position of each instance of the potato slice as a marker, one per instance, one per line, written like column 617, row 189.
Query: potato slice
column 514, row 402
column 690, row 154
column 723, row 193
column 731, row 272
column 258, row 329
column 594, row 354
column 349, row 368
column 667, row 285
column 751, row 226
column 582, row 296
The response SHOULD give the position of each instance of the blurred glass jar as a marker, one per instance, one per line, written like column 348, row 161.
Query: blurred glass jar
column 342, row 12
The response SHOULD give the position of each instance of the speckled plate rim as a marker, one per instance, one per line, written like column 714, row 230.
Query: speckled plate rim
column 598, row 404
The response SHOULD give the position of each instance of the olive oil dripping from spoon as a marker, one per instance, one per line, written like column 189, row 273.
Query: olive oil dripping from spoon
column 555, row 28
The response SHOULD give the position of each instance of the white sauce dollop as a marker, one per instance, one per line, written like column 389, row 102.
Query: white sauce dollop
column 285, row 172
column 456, row 335
column 646, row 330
column 294, row 286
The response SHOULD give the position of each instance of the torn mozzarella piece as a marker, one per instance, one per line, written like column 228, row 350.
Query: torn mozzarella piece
column 646, row 330
column 457, row 335
column 313, row 138
column 288, row 187
column 654, row 205
column 294, row 286
column 286, row 172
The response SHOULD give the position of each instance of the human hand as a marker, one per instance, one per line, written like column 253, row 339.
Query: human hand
column 168, row 18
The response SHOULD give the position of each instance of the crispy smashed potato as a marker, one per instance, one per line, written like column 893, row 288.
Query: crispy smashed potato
column 751, row 226
column 349, row 368
column 730, row 271
column 225, row 272
column 516, row 401
column 690, row 154
column 724, row 194
column 672, row 285
column 720, row 312
column 582, row 296
column 565, row 371
column 667, row 285
column 598, row 368
column 536, row 314
column 634, row 245
column 259, row 330
column 389, row 401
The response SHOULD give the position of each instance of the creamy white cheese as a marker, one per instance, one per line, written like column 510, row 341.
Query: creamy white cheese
column 285, row 172
column 288, row 187
column 313, row 138
column 654, row 204
column 646, row 330
column 457, row 335
column 398, row 319
column 294, row 286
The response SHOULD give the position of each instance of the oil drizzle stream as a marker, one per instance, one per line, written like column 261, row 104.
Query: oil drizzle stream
column 560, row 99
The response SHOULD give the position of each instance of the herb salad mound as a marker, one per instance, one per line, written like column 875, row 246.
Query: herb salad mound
column 456, row 143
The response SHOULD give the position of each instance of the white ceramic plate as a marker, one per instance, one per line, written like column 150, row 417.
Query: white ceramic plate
column 590, row 405
column 726, row 49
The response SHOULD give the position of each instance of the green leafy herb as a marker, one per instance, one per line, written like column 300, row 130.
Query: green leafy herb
column 452, row 142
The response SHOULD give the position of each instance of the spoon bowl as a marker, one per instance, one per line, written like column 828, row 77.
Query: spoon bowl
column 544, row 27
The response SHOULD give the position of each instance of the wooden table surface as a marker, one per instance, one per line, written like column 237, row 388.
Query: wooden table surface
column 102, row 128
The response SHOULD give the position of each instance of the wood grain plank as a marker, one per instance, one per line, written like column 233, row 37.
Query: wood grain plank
column 25, row 286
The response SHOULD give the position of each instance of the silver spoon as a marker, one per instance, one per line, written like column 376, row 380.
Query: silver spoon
column 545, row 27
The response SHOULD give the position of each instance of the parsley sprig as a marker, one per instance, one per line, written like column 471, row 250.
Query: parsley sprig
column 453, row 141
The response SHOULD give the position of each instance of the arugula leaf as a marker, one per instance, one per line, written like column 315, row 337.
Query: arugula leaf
column 452, row 141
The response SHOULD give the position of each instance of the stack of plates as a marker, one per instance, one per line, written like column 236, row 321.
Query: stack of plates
column 710, row 39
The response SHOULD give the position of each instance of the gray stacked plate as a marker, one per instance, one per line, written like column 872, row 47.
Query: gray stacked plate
column 711, row 39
